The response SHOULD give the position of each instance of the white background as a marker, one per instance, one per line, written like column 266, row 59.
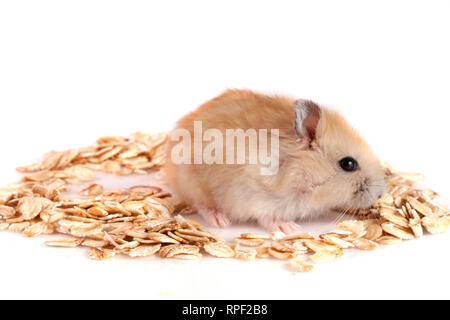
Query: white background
column 71, row 71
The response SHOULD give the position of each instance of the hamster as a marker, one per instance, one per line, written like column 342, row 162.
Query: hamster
column 323, row 164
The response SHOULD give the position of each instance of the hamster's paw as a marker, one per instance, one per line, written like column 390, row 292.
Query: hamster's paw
column 273, row 225
column 214, row 218
column 289, row 227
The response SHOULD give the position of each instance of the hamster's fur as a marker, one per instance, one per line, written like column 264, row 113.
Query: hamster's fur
column 310, row 180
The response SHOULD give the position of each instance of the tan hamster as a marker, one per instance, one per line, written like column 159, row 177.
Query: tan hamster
column 323, row 164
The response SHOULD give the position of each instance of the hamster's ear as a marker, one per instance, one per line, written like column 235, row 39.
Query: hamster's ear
column 307, row 116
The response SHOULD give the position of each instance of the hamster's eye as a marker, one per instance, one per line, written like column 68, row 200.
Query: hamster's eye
column 348, row 164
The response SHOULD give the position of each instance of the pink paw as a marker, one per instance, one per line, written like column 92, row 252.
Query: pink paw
column 288, row 227
column 214, row 218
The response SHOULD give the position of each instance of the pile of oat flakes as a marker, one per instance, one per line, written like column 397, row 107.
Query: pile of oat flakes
column 143, row 220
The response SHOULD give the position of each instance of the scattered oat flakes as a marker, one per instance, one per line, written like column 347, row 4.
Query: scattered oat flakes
column 100, row 254
column 92, row 189
column 419, row 207
column 394, row 216
column 389, row 240
column 64, row 243
column 374, row 231
column 299, row 236
column 255, row 236
column 219, row 249
column 322, row 256
column 365, row 244
column 144, row 220
column 300, row 266
column 19, row 226
column 175, row 249
column 282, row 255
column 397, row 231
column 337, row 241
column 144, row 250
column 262, row 252
column 436, row 224
column 36, row 229
column 29, row 207
column 358, row 228
column 7, row 212
column 250, row 242
column 245, row 254
column 188, row 256
column 95, row 243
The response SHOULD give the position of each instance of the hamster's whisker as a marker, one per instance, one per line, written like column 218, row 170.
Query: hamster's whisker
column 341, row 216
column 353, row 215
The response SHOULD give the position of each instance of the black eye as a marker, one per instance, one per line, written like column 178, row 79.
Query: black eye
column 348, row 164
